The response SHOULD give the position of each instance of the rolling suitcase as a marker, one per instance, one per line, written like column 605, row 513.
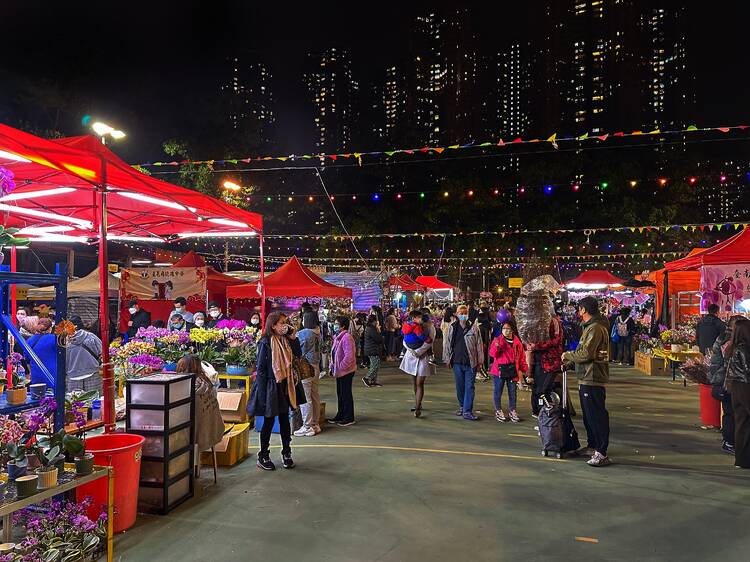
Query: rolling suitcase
column 556, row 429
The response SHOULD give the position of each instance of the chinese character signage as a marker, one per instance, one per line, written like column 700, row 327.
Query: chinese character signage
column 724, row 285
column 164, row 283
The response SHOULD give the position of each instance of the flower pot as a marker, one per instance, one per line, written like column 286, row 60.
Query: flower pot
column 27, row 485
column 33, row 461
column 38, row 390
column 170, row 367
column 16, row 396
column 85, row 464
column 237, row 370
column 15, row 472
column 675, row 348
column 47, row 478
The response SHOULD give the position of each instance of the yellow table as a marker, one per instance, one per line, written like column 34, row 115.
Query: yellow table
column 246, row 378
column 7, row 508
column 677, row 357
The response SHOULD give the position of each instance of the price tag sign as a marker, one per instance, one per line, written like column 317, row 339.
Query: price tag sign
column 515, row 282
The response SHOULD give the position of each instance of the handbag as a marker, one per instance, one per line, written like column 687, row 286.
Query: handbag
column 508, row 371
column 302, row 369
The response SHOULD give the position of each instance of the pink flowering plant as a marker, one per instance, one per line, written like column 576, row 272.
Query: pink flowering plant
column 145, row 364
column 170, row 345
column 58, row 531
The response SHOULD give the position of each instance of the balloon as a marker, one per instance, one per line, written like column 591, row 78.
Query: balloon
column 503, row 315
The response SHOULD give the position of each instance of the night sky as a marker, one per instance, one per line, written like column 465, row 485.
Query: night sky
column 145, row 66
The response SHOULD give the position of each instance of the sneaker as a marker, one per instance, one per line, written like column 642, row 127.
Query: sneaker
column 535, row 416
column 459, row 412
column 332, row 420
column 470, row 416
column 499, row 416
column 367, row 382
column 376, row 384
column 599, row 460
column 514, row 416
column 727, row 448
column 286, row 460
column 265, row 462
column 304, row 432
column 323, row 374
column 585, row 451
column 346, row 424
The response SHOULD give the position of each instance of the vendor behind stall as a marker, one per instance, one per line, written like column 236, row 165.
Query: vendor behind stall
column 44, row 344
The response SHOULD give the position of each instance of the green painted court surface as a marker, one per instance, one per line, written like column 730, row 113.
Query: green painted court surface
column 394, row 488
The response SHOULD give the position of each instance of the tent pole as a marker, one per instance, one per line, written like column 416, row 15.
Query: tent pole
column 108, row 380
column 13, row 309
column 262, row 285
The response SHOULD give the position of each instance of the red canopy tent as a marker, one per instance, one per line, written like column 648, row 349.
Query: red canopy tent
column 594, row 279
column 291, row 280
column 405, row 283
column 732, row 250
column 432, row 282
column 76, row 190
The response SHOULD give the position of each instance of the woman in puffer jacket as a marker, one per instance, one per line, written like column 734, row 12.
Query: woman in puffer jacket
column 738, row 385
column 509, row 362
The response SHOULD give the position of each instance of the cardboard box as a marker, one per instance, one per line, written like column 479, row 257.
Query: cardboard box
column 233, row 405
column 233, row 448
column 650, row 365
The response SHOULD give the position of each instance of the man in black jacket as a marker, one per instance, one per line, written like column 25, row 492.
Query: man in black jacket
column 138, row 318
column 709, row 328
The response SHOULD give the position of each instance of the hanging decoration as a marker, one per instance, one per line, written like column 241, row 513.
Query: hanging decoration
column 554, row 140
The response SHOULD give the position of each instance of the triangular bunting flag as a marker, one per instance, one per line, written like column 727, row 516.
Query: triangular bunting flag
column 552, row 138
column 454, row 146
column 333, row 157
column 424, row 149
column 390, row 152
column 500, row 143
column 692, row 128
column 702, row 227
column 584, row 136
column 711, row 227
column 409, row 151
column 358, row 155
column 685, row 228
column 603, row 137
column 640, row 229
column 439, row 150
column 723, row 129
column 282, row 158
column 618, row 134
column 637, row 133
column 486, row 144
column 655, row 132
column 519, row 139
column 632, row 229
column 736, row 226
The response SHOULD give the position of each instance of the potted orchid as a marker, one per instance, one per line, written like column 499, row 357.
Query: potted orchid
column 145, row 364
column 171, row 346
column 14, row 452
column 58, row 532
column 18, row 392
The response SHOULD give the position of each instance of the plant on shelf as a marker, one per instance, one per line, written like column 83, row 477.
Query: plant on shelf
column 58, row 532
column 144, row 364
column 77, row 446
column 18, row 392
column 209, row 354
column 16, row 460
column 240, row 359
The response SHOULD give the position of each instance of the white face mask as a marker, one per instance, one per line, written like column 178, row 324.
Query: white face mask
column 132, row 310
column 507, row 333
column 214, row 313
column 255, row 321
column 199, row 322
column 178, row 308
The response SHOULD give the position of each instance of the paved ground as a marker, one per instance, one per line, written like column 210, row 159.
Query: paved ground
column 394, row 488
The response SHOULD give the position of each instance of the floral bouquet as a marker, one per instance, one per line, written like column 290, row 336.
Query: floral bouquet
column 695, row 371
column 122, row 353
column 203, row 336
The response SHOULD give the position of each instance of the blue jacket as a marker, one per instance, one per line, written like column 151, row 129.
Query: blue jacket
column 310, row 342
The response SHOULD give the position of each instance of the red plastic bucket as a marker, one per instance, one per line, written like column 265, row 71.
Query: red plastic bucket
column 122, row 451
column 710, row 407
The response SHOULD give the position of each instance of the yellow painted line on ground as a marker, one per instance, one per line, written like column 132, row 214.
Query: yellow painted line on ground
column 587, row 539
column 523, row 435
column 421, row 450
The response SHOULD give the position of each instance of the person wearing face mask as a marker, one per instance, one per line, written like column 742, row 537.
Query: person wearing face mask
column 214, row 314
column 180, row 307
column 178, row 324
column 199, row 319
column 139, row 318
column 310, row 343
column 462, row 351
column 274, row 391
column 255, row 320
column 509, row 362
column 343, row 367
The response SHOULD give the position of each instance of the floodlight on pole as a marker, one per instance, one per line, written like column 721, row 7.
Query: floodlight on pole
column 104, row 130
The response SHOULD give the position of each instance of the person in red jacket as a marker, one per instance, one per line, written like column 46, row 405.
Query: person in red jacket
column 509, row 362
column 545, row 362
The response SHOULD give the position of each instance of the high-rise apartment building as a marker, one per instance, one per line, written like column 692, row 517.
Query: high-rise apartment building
column 249, row 99
column 334, row 94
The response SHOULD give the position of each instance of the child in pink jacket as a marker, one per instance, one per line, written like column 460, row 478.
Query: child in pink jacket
column 509, row 362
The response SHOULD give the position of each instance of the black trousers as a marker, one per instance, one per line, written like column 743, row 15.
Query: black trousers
column 727, row 417
column 345, row 398
column 595, row 416
column 741, row 405
column 285, row 431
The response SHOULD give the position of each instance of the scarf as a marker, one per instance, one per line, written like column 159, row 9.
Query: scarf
column 281, row 360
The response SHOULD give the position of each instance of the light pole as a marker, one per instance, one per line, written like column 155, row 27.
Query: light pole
column 108, row 379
